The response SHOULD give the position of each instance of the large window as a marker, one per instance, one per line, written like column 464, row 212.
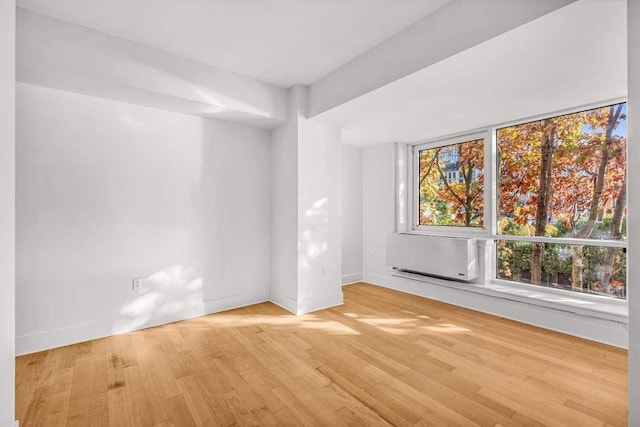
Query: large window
column 562, row 201
column 555, row 204
column 451, row 184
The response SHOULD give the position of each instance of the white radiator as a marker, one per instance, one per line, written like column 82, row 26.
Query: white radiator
column 448, row 257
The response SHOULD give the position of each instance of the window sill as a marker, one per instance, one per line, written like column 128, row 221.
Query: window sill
column 461, row 233
column 584, row 305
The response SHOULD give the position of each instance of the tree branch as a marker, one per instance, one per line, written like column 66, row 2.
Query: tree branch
column 426, row 174
column 446, row 184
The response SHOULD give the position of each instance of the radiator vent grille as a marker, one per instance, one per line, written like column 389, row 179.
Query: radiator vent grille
column 448, row 257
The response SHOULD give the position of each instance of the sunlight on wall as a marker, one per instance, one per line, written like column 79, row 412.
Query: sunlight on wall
column 167, row 295
column 149, row 77
column 313, row 242
column 135, row 123
column 222, row 103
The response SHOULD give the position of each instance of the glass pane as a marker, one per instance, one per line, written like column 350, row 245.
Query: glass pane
column 564, row 176
column 451, row 185
column 590, row 269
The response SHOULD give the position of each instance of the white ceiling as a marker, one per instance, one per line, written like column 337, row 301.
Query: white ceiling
column 283, row 42
column 571, row 57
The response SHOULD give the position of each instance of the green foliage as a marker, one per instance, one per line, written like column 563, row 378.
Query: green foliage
column 514, row 263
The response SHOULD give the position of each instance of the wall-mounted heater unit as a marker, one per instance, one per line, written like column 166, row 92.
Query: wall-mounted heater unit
column 447, row 257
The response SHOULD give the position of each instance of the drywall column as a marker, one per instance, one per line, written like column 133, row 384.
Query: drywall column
column 284, row 211
column 319, row 211
column 306, row 247
column 351, row 214
column 633, row 228
column 7, row 210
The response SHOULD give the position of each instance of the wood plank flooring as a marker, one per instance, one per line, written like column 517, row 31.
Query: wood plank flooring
column 382, row 358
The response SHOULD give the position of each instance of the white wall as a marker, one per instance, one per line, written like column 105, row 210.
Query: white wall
column 351, row 214
column 379, row 220
column 633, row 229
column 236, row 171
column 436, row 36
column 306, row 248
column 71, row 57
column 378, row 217
column 108, row 191
column 319, row 216
column 7, row 211
column 284, row 211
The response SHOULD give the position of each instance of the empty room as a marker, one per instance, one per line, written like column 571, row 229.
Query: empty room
column 319, row 212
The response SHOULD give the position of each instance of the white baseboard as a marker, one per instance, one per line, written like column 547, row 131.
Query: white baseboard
column 46, row 340
column 308, row 305
column 31, row 343
column 591, row 328
column 283, row 301
column 350, row 279
column 236, row 301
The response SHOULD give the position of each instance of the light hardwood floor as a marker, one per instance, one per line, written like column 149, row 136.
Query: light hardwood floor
column 382, row 358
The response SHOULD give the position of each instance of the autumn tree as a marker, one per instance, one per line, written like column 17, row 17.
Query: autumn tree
column 526, row 174
column 462, row 198
column 598, row 120
column 616, row 234
column 565, row 169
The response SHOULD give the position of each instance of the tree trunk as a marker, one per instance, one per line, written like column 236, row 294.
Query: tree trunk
column 467, row 176
column 616, row 234
column 576, row 268
column 605, row 148
column 542, row 208
column 585, row 232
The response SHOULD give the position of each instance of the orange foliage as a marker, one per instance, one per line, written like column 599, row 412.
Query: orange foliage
column 579, row 139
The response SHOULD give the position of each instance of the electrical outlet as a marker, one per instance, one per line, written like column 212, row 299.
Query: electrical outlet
column 136, row 285
column 324, row 271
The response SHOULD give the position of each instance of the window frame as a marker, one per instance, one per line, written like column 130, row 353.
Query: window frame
column 407, row 204
column 624, row 243
column 414, row 204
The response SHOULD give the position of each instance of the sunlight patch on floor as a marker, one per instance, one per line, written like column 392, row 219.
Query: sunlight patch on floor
column 309, row 321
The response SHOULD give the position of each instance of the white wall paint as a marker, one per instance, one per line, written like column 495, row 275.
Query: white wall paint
column 351, row 214
column 468, row 91
column 285, row 42
column 379, row 221
column 7, row 211
column 306, row 247
column 66, row 56
column 378, row 218
column 633, row 227
column 236, row 188
column 319, row 216
column 109, row 191
column 284, row 211
column 455, row 27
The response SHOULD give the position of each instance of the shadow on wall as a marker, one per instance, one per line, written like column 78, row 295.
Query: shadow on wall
column 168, row 295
